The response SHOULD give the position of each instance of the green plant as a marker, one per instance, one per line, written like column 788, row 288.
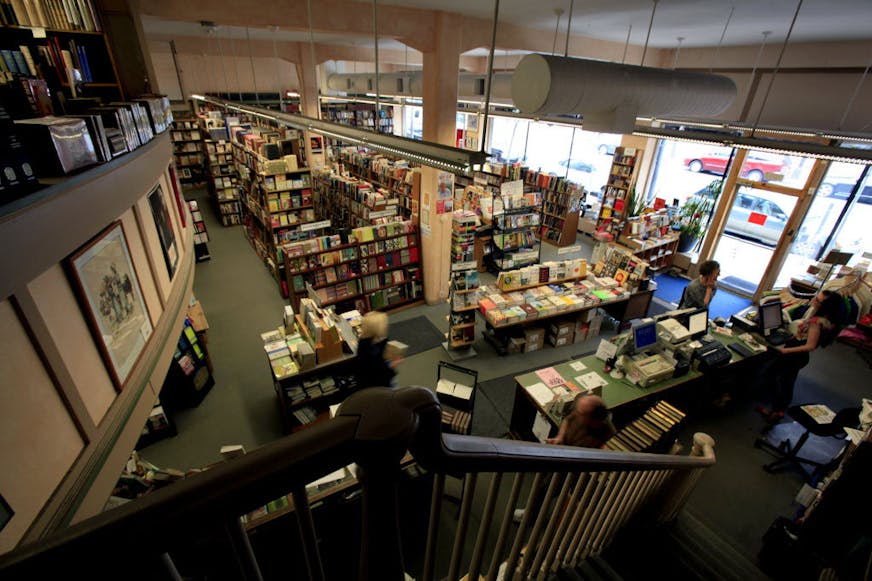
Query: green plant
column 694, row 214
column 635, row 204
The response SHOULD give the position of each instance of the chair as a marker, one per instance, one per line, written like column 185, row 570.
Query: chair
column 788, row 456
column 681, row 300
column 455, row 390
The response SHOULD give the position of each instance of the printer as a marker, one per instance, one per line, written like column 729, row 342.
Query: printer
column 711, row 355
column 646, row 371
column 671, row 332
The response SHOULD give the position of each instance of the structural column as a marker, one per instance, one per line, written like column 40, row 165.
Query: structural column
column 441, row 68
column 307, row 73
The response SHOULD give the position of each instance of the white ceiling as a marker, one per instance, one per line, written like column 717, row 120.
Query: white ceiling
column 699, row 22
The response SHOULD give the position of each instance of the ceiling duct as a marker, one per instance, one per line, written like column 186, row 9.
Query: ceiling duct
column 470, row 86
column 611, row 95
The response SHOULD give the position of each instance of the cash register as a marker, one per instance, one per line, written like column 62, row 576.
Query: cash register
column 646, row 367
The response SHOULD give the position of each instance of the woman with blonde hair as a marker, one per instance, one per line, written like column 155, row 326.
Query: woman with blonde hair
column 371, row 367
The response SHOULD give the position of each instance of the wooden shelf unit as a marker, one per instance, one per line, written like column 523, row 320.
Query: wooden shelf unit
column 622, row 179
column 201, row 236
column 375, row 268
column 398, row 177
column 560, row 217
column 350, row 202
column 224, row 183
column 651, row 238
column 360, row 115
column 515, row 220
column 188, row 149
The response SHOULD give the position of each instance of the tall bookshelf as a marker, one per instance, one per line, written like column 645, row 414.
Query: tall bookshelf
column 349, row 202
column 622, row 179
column 187, row 149
column 372, row 268
column 361, row 115
column 398, row 177
column 201, row 236
column 223, row 180
column 560, row 217
column 463, row 300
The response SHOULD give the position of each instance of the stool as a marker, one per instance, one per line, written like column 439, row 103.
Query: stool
column 788, row 456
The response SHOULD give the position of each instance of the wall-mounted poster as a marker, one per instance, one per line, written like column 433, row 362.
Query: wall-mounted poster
column 164, row 227
column 317, row 143
column 103, row 274
column 445, row 193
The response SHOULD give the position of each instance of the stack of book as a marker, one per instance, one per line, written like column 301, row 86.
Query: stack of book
column 649, row 431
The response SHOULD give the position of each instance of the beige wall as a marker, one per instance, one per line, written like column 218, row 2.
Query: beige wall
column 66, row 429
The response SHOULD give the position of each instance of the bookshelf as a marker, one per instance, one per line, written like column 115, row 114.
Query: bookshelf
column 650, row 238
column 360, row 115
column 189, row 378
column 201, row 236
column 560, row 216
column 463, row 298
column 372, row 268
column 398, row 177
column 187, row 149
column 349, row 202
column 515, row 220
column 51, row 58
column 622, row 178
column 223, row 180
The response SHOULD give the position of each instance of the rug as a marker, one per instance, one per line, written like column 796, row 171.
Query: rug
column 418, row 333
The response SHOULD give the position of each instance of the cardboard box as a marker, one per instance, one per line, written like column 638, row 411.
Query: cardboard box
column 534, row 338
column 586, row 316
column 594, row 327
column 395, row 350
column 516, row 345
column 581, row 330
column 328, row 351
column 305, row 356
column 561, row 329
column 560, row 340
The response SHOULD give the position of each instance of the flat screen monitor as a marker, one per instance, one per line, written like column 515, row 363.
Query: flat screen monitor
column 697, row 324
column 769, row 316
column 644, row 336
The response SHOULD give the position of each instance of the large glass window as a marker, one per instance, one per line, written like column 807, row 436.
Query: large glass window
column 854, row 234
column 413, row 122
column 508, row 138
column 785, row 170
column 754, row 225
column 684, row 169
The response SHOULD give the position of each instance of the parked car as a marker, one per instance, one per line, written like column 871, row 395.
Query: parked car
column 606, row 148
column 754, row 218
column 755, row 167
column 841, row 190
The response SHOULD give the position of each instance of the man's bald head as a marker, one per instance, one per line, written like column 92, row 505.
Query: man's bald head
column 591, row 407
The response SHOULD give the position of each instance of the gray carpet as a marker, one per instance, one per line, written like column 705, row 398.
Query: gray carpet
column 419, row 334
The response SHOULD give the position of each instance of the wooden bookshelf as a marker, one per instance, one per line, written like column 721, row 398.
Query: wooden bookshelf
column 188, row 149
column 223, row 179
column 398, row 177
column 622, row 179
column 560, row 217
column 350, row 202
column 515, row 221
column 360, row 115
column 372, row 268
column 463, row 299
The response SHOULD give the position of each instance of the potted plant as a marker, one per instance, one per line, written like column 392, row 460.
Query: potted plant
column 693, row 216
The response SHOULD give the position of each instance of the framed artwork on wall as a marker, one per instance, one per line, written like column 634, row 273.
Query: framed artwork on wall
column 161, row 215
column 105, row 280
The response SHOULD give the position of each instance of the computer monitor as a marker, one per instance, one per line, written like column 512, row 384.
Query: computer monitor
column 697, row 323
column 644, row 336
column 769, row 316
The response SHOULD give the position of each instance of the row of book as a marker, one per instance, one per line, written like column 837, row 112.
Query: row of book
column 510, row 221
column 317, row 245
column 292, row 218
column 289, row 200
column 321, row 260
column 287, row 181
column 383, row 279
column 551, row 271
column 387, row 260
column 380, row 232
column 57, row 14
column 509, row 241
column 647, row 432
column 388, row 245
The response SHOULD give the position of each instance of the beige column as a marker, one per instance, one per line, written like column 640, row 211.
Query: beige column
column 307, row 73
column 441, row 66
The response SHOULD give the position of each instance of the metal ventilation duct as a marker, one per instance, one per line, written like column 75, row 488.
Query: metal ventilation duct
column 612, row 95
column 410, row 84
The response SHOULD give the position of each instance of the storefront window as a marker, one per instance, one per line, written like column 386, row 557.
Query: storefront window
column 508, row 138
column 854, row 235
column 413, row 122
column 785, row 170
column 685, row 169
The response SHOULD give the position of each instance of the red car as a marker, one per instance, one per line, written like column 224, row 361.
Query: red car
column 756, row 165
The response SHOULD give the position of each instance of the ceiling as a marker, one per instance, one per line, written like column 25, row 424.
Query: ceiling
column 698, row 23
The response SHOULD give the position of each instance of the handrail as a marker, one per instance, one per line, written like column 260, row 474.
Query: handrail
column 373, row 428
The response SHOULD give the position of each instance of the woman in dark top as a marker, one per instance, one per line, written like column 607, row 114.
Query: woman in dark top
column 370, row 365
column 818, row 330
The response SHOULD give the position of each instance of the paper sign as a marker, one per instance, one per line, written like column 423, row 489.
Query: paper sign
column 578, row 366
column 315, row 225
column 382, row 214
column 540, row 393
column 819, row 413
column 757, row 218
column 606, row 350
column 591, row 380
column 515, row 188
column 464, row 265
column 541, row 427
column 855, row 435
column 550, row 376
column 568, row 249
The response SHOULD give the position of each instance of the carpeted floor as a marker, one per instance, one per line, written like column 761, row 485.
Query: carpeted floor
column 724, row 304
column 419, row 334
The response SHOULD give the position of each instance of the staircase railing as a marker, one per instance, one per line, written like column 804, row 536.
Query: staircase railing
column 577, row 499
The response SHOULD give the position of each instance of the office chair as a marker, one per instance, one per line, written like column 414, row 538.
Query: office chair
column 788, row 456
column 681, row 300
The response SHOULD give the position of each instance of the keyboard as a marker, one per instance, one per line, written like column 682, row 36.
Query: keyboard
column 778, row 337
column 741, row 349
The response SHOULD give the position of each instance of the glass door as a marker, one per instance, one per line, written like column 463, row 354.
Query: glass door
column 755, row 223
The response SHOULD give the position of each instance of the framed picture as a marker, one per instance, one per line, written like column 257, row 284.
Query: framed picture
column 103, row 275
column 316, row 143
column 161, row 215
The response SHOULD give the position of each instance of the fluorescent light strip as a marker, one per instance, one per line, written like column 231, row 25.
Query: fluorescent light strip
column 432, row 154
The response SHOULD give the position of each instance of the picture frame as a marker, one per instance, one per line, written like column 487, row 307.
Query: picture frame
column 316, row 143
column 109, row 292
column 162, row 221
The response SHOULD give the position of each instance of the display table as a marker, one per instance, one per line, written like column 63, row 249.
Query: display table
column 623, row 398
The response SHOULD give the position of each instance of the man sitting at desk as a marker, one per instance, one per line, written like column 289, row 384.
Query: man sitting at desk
column 699, row 293
column 589, row 425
